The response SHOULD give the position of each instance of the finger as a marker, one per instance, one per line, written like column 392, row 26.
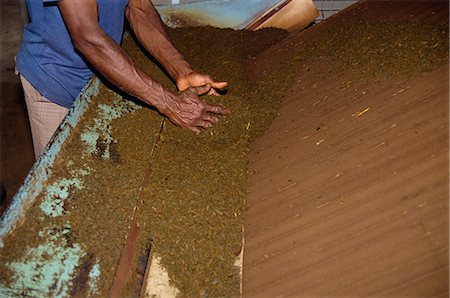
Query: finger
column 204, row 124
column 194, row 129
column 196, row 91
column 211, row 119
column 201, row 89
column 218, row 85
column 213, row 92
column 203, row 79
column 219, row 110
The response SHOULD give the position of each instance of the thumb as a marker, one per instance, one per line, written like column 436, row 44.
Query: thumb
column 218, row 85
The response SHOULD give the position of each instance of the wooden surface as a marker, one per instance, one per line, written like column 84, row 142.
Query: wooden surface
column 291, row 15
column 349, row 196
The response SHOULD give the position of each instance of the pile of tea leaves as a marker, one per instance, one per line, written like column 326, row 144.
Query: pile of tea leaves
column 381, row 49
column 189, row 189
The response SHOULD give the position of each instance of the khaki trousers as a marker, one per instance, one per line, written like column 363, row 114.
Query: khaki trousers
column 45, row 116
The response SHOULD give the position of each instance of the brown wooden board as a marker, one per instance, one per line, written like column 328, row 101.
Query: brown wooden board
column 348, row 192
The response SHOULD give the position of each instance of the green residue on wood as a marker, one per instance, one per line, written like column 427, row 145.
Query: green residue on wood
column 46, row 270
column 57, row 193
column 94, row 276
column 98, row 138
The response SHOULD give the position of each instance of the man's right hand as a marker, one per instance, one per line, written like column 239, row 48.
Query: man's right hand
column 188, row 111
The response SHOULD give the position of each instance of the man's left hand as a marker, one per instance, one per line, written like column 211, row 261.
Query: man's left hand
column 195, row 79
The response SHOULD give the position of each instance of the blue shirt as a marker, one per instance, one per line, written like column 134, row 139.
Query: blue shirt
column 47, row 57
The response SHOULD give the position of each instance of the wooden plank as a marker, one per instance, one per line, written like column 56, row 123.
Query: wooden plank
column 358, row 207
column 123, row 269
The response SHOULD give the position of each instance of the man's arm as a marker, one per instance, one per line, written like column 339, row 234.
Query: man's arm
column 151, row 32
column 186, row 110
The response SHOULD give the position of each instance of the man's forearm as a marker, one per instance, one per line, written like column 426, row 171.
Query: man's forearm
column 185, row 110
column 113, row 63
column 150, row 31
column 81, row 18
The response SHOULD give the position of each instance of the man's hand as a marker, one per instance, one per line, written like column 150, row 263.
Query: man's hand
column 188, row 111
column 195, row 79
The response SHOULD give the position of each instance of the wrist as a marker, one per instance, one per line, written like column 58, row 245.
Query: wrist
column 162, row 102
column 181, row 73
column 154, row 94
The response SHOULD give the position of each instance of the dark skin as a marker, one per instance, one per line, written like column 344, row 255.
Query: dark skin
column 185, row 110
